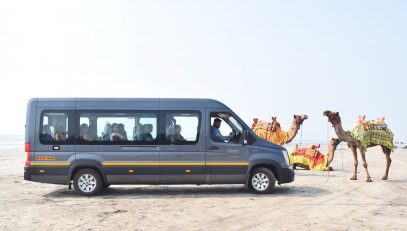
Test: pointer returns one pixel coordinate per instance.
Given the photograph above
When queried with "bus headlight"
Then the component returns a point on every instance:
(286, 157)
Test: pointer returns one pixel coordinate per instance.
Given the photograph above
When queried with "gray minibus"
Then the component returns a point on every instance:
(92, 143)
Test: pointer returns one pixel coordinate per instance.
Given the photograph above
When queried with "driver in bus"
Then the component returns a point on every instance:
(216, 135)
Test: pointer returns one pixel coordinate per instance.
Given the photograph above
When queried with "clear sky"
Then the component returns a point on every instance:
(261, 58)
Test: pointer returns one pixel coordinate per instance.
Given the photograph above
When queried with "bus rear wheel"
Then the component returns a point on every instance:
(88, 182)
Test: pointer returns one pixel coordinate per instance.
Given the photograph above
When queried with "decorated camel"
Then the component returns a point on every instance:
(272, 131)
(311, 158)
(364, 135)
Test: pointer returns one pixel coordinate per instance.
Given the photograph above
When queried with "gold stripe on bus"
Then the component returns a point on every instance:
(175, 164)
(130, 163)
(182, 163)
(50, 164)
(227, 163)
(148, 163)
(153, 163)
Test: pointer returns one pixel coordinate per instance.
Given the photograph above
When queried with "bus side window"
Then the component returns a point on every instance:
(54, 128)
(182, 127)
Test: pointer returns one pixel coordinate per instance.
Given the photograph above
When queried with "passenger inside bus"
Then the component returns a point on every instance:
(116, 135)
(178, 136)
(147, 129)
(60, 136)
(46, 134)
(122, 131)
(84, 132)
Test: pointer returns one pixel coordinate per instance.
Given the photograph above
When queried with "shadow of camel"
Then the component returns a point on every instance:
(154, 192)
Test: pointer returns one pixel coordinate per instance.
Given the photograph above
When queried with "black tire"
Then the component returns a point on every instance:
(261, 176)
(91, 187)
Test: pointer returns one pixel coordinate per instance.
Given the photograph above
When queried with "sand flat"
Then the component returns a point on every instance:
(314, 201)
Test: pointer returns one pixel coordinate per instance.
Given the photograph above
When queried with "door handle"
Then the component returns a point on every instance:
(56, 148)
(214, 148)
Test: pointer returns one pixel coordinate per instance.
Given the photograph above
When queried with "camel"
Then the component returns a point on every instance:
(335, 120)
(310, 158)
(272, 132)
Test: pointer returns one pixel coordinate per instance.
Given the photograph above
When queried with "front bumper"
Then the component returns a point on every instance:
(286, 175)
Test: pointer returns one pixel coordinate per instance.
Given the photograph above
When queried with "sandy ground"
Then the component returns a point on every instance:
(313, 201)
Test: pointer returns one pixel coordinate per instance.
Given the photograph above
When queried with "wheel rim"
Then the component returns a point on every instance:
(260, 181)
(87, 183)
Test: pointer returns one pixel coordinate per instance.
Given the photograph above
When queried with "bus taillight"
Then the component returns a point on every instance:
(27, 150)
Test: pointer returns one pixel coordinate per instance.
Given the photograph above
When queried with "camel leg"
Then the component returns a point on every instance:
(387, 152)
(362, 152)
(355, 162)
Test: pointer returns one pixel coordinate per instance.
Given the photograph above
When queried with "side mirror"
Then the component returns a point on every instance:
(245, 137)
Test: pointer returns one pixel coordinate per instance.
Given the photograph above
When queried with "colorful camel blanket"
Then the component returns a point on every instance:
(263, 130)
(311, 157)
(373, 133)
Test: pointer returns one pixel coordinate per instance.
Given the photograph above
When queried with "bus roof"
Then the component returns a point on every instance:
(127, 102)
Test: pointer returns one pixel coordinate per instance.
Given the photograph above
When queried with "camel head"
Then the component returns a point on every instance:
(333, 117)
(299, 119)
(331, 148)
